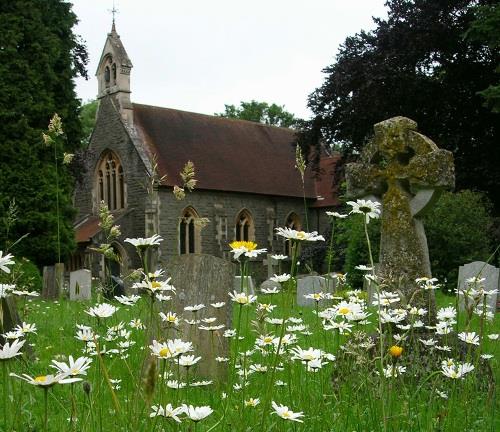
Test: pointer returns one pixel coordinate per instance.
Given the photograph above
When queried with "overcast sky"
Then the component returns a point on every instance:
(198, 55)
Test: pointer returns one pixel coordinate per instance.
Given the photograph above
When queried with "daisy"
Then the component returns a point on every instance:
(194, 308)
(279, 257)
(103, 310)
(242, 298)
(25, 328)
(392, 371)
(128, 300)
(144, 243)
(217, 305)
(457, 371)
(9, 351)
(336, 215)
(245, 248)
(5, 261)
(252, 402)
(42, 380)
(73, 367)
(188, 360)
(283, 412)
(493, 336)
(370, 209)
(305, 355)
(6, 290)
(197, 413)
(292, 234)
(281, 278)
(469, 338)
(273, 290)
(170, 318)
(168, 411)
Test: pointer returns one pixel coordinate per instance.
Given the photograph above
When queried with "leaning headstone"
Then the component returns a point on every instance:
(312, 285)
(369, 286)
(204, 279)
(406, 171)
(80, 285)
(481, 270)
(247, 287)
(9, 316)
(53, 281)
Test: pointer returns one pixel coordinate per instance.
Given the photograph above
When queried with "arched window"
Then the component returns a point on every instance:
(106, 76)
(113, 69)
(111, 186)
(189, 232)
(292, 222)
(244, 228)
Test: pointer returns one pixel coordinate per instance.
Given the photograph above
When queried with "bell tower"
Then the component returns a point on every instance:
(113, 75)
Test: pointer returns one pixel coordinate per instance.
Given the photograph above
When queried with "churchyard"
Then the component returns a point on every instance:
(192, 347)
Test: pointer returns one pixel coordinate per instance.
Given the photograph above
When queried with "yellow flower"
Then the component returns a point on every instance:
(248, 245)
(395, 351)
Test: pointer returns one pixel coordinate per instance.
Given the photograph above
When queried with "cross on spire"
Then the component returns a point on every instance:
(113, 12)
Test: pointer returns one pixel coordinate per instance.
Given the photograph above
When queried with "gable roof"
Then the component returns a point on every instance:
(229, 155)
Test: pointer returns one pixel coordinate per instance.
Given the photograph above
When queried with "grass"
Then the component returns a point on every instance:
(343, 395)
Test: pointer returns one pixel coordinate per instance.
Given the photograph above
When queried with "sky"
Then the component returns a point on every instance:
(198, 55)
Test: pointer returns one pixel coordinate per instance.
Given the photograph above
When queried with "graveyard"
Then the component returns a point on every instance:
(166, 269)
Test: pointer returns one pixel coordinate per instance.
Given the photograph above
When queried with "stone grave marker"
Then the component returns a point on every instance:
(80, 285)
(480, 269)
(203, 279)
(269, 284)
(53, 281)
(406, 171)
(248, 285)
(9, 317)
(312, 285)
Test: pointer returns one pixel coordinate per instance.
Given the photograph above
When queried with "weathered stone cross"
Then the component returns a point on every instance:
(407, 172)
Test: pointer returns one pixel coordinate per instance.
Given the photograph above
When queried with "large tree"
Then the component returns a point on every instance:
(260, 112)
(417, 63)
(39, 57)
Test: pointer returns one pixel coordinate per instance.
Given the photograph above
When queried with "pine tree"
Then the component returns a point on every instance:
(39, 57)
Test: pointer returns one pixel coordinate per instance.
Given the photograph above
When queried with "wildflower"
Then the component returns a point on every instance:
(273, 290)
(336, 215)
(283, 412)
(168, 411)
(266, 307)
(456, 371)
(197, 413)
(281, 278)
(446, 314)
(279, 257)
(14, 334)
(201, 383)
(67, 158)
(469, 338)
(128, 300)
(246, 248)
(392, 371)
(154, 286)
(5, 261)
(9, 351)
(493, 336)
(370, 209)
(363, 268)
(144, 243)
(170, 318)
(242, 298)
(174, 384)
(427, 283)
(217, 305)
(252, 402)
(292, 234)
(42, 380)
(103, 310)
(221, 359)
(212, 328)
(194, 308)
(305, 355)
(188, 360)
(395, 351)
(25, 328)
(428, 342)
(73, 367)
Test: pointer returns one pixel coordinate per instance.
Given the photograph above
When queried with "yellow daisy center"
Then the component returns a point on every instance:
(40, 379)
(301, 235)
(344, 310)
(155, 284)
(164, 352)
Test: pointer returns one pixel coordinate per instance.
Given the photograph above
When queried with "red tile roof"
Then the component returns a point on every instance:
(86, 229)
(229, 155)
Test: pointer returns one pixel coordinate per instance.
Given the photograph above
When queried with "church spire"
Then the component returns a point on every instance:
(113, 11)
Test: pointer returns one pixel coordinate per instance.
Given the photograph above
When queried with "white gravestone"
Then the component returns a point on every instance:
(313, 285)
(480, 270)
(80, 285)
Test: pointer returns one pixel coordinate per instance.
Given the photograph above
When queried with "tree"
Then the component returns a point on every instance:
(260, 112)
(87, 117)
(40, 56)
(486, 28)
(416, 63)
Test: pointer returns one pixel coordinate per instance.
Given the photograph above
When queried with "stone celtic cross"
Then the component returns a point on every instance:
(406, 171)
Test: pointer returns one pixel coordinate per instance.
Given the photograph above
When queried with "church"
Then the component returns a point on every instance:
(247, 183)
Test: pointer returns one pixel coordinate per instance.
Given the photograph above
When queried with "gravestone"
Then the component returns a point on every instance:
(203, 279)
(269, 284)
(53, 280)
(312, 285)
(406, 171)
(480, 270)
(80, 285)
(9, 316)
(248, 285)
(271, 265)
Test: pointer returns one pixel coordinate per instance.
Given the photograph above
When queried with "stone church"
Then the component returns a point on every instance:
(247, 181)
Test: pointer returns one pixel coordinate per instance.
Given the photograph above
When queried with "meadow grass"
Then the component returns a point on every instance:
(342, 395)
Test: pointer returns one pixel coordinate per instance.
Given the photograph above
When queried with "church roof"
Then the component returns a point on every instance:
(229, 155)
(118, 49)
